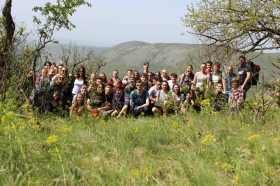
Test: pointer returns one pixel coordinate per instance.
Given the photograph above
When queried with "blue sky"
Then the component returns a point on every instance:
(110, 22)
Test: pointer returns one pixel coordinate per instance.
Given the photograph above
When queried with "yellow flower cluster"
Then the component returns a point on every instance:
(174, 125)
(253, 137)
(141, 173)
(208, 138)
(66, 129)
(52, 139)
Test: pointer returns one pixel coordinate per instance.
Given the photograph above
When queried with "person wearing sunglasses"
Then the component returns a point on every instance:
(139, 100)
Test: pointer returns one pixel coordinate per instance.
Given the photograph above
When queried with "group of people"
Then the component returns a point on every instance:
(139, 92)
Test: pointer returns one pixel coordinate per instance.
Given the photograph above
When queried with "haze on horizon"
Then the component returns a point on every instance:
(112, 22)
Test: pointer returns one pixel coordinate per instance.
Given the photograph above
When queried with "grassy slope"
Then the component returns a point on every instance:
(216, 149)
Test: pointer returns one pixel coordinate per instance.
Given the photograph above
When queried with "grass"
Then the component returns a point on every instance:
(216, 149)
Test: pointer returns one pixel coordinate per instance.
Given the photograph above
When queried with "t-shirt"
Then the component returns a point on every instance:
(242, 73)
(152, 92)
(162, 95)
(200, 77)
(119, 102)
(171, 84)
(137, 99)
(217, 76)
(229, 78)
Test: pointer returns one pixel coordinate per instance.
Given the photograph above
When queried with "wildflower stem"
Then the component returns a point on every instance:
(62, 167)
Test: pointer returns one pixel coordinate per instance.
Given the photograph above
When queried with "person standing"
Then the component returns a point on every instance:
(244, 75)
(229, 76)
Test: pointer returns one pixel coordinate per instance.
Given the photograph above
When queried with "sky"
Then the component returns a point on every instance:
(111, 22)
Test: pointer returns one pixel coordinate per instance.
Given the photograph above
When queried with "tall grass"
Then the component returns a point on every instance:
(202, 149)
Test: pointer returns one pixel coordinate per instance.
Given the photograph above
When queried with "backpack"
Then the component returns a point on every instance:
(255, 72)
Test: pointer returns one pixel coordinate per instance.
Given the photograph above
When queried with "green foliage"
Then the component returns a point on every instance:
(243, 26)
(219, 148)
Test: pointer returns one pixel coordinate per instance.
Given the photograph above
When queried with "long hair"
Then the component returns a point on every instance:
(84, 72)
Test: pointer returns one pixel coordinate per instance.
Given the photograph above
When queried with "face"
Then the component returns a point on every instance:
(92, 76)
(116, 84)
(196, 92)
(79, 98)
(234, 84)
(119, 92)
(129, 73)
(230, 70)
(173, 78)
(164, 73)
(44, 72)
(64, 71)
(107, 89)
(56, 70)
(99, 87)
(209, 66)
(47, 65)
(55, 96)
(176, 88)
(136, 74)
(203, 67)
(31, 73)
(83, 89)
(102, 76)
(131, 80)
(216, 68)
(149, 75)
(158, 85)
(90, 87)
(146, 67)
(51, 73)
(188, 96)
(241, 61)
(164, 86)
(157, 75)
(139, 86)
(115, 73)
(59, 69)
(60, 79)
(154, 82)
(98, 81)
(189, 69)
(143, 79)
(219, 87)
(81, 71)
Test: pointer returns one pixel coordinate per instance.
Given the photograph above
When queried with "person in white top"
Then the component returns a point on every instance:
(173, 80)
(79, 80)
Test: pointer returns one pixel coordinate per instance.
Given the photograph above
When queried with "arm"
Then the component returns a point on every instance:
(246, 80)
(194, 81)
(123, 109)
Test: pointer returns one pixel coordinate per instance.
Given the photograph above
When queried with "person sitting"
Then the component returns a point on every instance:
(139, 100)
(219, 102)
(53, 104)
(120, 102)
(78, 106)
(162, 96)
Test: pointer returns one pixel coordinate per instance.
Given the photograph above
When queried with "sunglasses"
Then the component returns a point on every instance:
(64, 70)
(139, 85)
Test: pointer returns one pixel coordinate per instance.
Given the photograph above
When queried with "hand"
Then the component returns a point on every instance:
(242, 86)
(224, 92)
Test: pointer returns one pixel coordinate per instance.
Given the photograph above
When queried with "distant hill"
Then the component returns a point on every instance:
(171, 56)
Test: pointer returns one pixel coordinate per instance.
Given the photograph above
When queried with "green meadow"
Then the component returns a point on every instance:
(186, 149)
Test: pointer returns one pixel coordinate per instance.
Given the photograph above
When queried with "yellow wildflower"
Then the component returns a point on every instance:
(174, 125)
(235, 180)
(136, 130)
(66, 129)
(134, 173)
(208, 138)
(10, 113)
(253, 137)
(52, 139)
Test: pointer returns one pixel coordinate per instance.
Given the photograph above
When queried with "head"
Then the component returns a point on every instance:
(229, 70)
(176, 89)
(164, 73)
(150, 82)
(146, 66)
(209, 65)
(242, 60)
(100, 87)
(188, 95)
(157, 74)
(93, 77)
(158, 84)
(44, 72)
(83, 89)
(197, 92)
(80, 99)
(189, 69)
(60, 67)
(116, 83)
(165, 86)
(51, 72)
(154, 81)
(55, 96)
(136, 74)
(144, 78)
(150, 75)
(219, 86)
(173, 77)
(203, 67)
(30, 73)
(53, 64)
(98, 81)
(129, 72)
(217, 66)
(47, 64)
(139, 85)
(64, 71)
(81, 72)
(115, 74)
(103, 77)
(107, 88)
(235, 83)
(119, 91)
(131, 79)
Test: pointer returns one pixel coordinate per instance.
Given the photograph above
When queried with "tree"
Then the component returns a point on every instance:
(241, 25)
